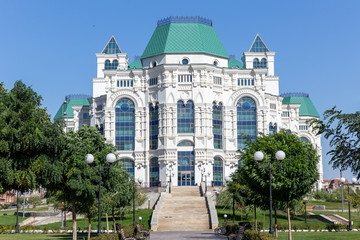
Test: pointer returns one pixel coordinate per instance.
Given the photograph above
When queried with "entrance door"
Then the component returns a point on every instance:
(185, 178)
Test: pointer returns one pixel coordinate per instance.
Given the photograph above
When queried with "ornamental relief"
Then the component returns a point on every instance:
(246, 92)
(126, 93)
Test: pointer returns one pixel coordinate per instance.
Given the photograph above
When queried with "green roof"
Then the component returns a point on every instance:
(306, 108)
(135, 64)
(184, 38)
(67, 107)
(233, 63)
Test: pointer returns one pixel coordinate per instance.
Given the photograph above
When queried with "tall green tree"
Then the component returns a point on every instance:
(72, 180)
(27, 138)
(343, 131)
(118, 193)
(292, 180)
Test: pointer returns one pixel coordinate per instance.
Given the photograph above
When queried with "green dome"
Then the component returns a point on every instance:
(184, 35)
(306, 108)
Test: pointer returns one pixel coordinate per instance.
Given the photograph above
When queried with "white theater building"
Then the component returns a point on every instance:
(179, 112)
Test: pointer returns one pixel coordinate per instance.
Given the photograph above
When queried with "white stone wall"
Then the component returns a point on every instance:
(203, 92)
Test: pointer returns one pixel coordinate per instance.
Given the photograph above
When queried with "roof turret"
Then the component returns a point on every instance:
(184, 35)
(306, 108)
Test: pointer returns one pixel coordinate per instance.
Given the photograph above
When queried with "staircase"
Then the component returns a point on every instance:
(184, 210)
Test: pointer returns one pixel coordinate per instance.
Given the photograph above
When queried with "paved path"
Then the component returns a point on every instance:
(184, 235)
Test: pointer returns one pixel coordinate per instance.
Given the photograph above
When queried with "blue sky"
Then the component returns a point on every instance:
(51, 45)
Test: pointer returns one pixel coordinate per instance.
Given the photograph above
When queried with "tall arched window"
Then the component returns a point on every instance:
(256, 63)
(115, 64)
(154, 126)
(246, 120)
(185, 117)
(263, 63)
(107, 64)
(154, 172)
(125, 124)
(128, 165)
(218, 172)
(217, 125)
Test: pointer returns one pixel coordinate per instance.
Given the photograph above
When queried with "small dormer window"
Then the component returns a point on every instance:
(215, 63)
(153, 64)
(185, 61)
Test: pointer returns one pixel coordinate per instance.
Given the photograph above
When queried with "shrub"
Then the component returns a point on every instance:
(46, 229)
(4, 228)
(231, 228)
(111, 236)
(336, 227)
(35, 200)
(254, 235)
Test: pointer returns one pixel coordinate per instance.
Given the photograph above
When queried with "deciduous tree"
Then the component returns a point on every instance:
(290, 181)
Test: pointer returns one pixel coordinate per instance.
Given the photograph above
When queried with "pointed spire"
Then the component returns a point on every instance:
(111, 47)
(258, 45)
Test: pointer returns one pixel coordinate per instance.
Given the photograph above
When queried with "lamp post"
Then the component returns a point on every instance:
(140, 180)
(259, 156)
(170, 175)
(353, 181)
(140, 218)
(110, 158)
(17, 212)
(227, 179)
(225, 216)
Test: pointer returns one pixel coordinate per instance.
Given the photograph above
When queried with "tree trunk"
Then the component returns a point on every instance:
(113, 218)
(255, 217)
(264, 222)
(73, 212)
(89, 231)
(289, 223)
(107, 223)
(276, 226)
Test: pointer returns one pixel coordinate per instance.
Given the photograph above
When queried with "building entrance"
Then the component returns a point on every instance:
(186, 174)
(186, 178)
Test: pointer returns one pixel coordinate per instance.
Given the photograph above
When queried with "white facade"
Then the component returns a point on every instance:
(264, 90)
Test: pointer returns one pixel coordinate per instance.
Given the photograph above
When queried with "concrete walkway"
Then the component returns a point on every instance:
(184, 235)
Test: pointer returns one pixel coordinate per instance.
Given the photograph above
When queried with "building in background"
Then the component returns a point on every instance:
(181, 110)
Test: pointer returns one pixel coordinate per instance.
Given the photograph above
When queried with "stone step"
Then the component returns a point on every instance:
(184, 210)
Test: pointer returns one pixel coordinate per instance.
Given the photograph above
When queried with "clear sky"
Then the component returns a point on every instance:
(51, 45)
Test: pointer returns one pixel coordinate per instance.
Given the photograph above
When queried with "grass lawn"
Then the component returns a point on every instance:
(55, 236)
(345, 214)
(328, 205)
(10, 218)
(127, 220)
(321, 235)
(282, 218)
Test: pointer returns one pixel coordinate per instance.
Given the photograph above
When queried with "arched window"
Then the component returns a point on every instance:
(304, 139)
(218, 172)
(263, 63)
(185, 117)
(115, 64)
(154, 172)
(128, 165)
(256, 63)
(107, 64)
(154, 126)
(246, 120)
(272, 128)
(185, 143)
(125, 124)
(217, 125)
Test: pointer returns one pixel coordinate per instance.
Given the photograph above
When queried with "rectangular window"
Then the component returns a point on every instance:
(153, 81)
(285, 114)
(185, 78)
(303, 127)
(86, 116)
(246, 82)
(217, 80)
